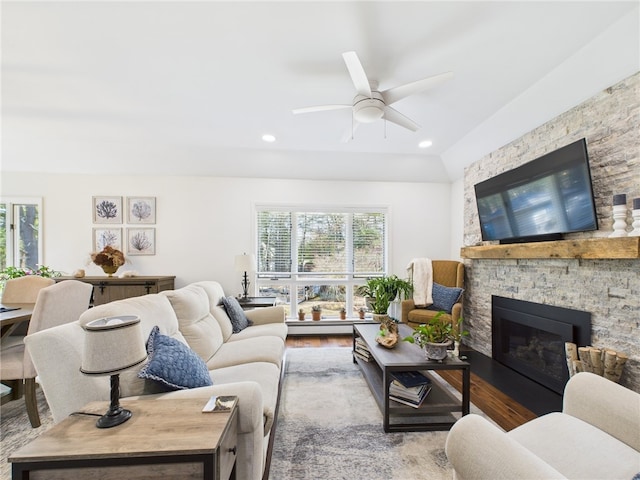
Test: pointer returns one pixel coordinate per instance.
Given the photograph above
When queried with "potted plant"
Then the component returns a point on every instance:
(361, 313)
(316, 312)
(301, 314)
(381, 291)
(435, 336)
(343, 313)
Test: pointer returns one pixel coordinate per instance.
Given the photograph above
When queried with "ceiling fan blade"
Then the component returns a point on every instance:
(394, 116)
(394, 94)
(358, 75)
(319, 108)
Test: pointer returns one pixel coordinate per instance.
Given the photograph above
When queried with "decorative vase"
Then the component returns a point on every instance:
(315, 315)
(109, 269)
(436, 351)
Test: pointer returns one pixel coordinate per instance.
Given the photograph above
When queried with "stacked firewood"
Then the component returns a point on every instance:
(601, 361)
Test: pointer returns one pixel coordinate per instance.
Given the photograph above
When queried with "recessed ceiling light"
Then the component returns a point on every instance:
(425, 144)
(268, 138)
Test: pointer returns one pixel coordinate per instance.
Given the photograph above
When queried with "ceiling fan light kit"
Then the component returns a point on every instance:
(369, 104)
(368, 110)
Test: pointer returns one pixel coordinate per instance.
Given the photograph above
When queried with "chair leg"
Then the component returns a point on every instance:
(31, 401)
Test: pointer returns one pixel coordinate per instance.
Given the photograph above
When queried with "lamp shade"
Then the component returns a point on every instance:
(245, 263)
(112, 344)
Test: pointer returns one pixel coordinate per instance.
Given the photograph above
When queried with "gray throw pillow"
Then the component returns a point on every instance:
(173, 364)
(444, 298)
(239, 320)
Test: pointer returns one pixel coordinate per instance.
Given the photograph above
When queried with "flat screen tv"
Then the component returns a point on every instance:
(540, 200)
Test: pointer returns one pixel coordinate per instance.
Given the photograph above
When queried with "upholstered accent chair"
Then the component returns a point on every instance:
(55, 305)
(24, 289)
(448, 274)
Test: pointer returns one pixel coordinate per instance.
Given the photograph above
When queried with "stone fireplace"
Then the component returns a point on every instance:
(607, 287)
(529, 338)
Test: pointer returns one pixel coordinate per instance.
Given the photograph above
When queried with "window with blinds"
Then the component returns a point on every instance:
(306, 256)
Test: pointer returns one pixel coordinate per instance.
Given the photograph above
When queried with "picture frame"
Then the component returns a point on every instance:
(107, 210)
(107, 236)
(141, 210)
(141, 241)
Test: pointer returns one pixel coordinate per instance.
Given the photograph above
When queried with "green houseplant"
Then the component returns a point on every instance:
(381, 291)
(316, 312)
(436, 336)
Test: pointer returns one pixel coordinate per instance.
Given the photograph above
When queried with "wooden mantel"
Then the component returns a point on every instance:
(589, 248)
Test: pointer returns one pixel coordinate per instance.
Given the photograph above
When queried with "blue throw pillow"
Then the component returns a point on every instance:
(173, 364)
(444, 298)
(239, 320)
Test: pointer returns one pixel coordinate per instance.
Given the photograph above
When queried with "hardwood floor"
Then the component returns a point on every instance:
(502, 409)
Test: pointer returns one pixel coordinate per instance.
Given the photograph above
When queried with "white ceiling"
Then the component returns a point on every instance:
(188, 88)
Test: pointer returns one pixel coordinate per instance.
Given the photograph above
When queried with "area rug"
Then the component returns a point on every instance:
(330, 427)
(16, 430)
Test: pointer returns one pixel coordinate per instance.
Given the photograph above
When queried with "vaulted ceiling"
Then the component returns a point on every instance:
(189, 88)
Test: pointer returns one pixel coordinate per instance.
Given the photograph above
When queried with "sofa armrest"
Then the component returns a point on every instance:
(478, 450)
(605, 405)
(262, 316)
(250, 408)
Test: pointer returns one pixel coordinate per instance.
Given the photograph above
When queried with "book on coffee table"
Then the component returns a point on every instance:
(411, 378)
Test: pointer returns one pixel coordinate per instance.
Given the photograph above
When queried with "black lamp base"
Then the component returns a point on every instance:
(113, 419)
(116, 414)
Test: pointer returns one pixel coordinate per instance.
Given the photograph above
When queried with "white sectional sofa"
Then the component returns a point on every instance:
(247, 364)
(596, 436)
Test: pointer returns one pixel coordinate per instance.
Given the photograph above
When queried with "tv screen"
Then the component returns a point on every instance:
(539, 200)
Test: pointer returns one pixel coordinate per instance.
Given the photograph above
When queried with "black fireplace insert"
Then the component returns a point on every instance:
(530, 338)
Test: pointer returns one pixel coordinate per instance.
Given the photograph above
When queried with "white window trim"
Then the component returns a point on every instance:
(11, 202)
(295, 279)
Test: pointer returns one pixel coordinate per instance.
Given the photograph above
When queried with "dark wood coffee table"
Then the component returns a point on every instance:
(438, 409)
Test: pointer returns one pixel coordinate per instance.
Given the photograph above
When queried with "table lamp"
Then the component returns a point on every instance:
(245, 263)
(112, 345)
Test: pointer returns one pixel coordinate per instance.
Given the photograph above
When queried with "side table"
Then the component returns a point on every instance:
(256, 302)
(163, 439)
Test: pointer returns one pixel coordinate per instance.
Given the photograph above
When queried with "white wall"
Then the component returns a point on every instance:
(456, 202)
(203, 222)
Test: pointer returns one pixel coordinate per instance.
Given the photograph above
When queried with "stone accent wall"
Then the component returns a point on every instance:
(609, 289)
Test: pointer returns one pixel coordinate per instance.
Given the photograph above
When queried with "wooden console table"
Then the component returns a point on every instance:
(163, 439)
(107, 289)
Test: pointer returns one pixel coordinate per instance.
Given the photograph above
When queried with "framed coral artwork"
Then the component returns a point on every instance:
(107, 209)
(141, 241)
(141, 210)
(107, 236)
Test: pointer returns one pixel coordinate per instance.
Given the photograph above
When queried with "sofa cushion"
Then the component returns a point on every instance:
(215, 293)
(173, 363)
(201, 331)
(577, 449)
(444, 298)
(239, 320)
(249, 350)
(267, 330)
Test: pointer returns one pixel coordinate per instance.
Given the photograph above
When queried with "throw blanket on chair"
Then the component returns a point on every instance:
(421, 273)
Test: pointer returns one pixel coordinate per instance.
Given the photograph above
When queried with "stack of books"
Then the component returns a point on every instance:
(362, 351)
(409, 388)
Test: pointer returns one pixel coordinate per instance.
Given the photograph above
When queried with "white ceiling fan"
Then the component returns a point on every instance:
(369, 104)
